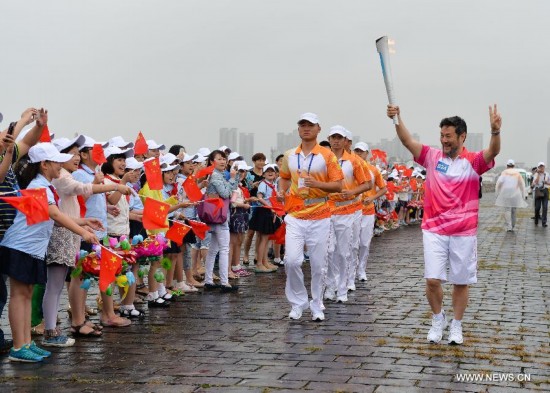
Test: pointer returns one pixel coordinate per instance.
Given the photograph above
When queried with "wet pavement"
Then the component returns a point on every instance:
(213, 342)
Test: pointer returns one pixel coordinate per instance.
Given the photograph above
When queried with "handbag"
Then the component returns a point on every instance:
(539, 193)
(210, 213)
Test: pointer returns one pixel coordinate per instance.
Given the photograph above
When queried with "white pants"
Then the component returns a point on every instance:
(218, 242)
(355, 232)
(365, 237)
(339, 259)
(510, 217)
(314, 235)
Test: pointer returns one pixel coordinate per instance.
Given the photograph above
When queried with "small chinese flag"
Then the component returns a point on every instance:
(177, 232)
(379, 154)
(140, 147)
(33, 204)
(200, 228)
(407, 172)
(414, 185)
(153, 173)
(279, 236)
(97, 154)
(110, 264)
(45, 136)
(277, 207)
(218, 202)
(192, 190)
(154, 214)
(205, 171)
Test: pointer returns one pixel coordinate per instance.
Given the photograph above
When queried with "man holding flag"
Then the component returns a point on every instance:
(450, 219)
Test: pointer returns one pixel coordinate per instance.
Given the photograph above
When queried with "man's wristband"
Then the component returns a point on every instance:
(495, 132)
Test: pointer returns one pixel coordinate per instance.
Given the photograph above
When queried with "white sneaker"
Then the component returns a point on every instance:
(438, 325)
(351, 287)
(295, 313)
(330, 294)
(318, 316)
(362, 278)
(342, 299)
(455, 334)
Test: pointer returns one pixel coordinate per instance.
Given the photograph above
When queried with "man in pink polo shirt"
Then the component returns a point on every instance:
(451, 205)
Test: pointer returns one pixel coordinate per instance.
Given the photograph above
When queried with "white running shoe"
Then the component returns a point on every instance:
(342, 299)
(362, 278)
(330, 294)
(438, 325)
(295, 313)
(455, 334)
(318, 316)
(351, 287)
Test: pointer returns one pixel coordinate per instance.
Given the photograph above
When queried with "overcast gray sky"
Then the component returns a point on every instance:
(179, 70)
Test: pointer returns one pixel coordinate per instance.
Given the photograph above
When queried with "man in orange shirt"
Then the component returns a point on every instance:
(368, 211)
(344, 206)
(308, 174)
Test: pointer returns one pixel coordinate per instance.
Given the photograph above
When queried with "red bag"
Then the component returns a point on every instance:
(210, 213)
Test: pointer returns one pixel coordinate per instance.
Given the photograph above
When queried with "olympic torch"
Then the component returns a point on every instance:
(383, 50)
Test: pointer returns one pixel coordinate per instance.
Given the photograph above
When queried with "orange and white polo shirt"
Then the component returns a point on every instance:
(321, 164)
(379, 183)
(354, 176)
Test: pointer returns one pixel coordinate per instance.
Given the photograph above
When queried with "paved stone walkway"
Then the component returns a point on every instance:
(212, 342)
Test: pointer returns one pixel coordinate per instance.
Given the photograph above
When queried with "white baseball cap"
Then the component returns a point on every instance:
(152, 145)
(309, 116)
(337, 130)
(90, 142)
(199, 158)
(349, 134)
(63, 143)
(204, 151)
(113, 150)
(166, 168)
(540, 164)
(47, 152)
(233, 155)
(132, 163)
(269, 166)
(119, 142)
(361, 146)
(223, 148)
(510, 162)
(187, 157)
(242, 166)
(168, 159)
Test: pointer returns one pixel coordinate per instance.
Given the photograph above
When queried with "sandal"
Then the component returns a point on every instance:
(133, 313)
(38, 330)
(110, 323)
(77, 332)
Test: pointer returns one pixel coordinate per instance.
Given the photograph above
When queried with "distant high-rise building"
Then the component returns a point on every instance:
(474, 141)
(246, 146)
(228, 137)
(285, 142)
(394, 149)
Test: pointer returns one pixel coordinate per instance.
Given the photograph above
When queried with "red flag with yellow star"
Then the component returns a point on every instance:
(200, 228)
(192, 190)
(153, 173)
(177, 232)
(33, 204)
(110, 264)
(205, 171)
(140, 147)
(154, 214)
